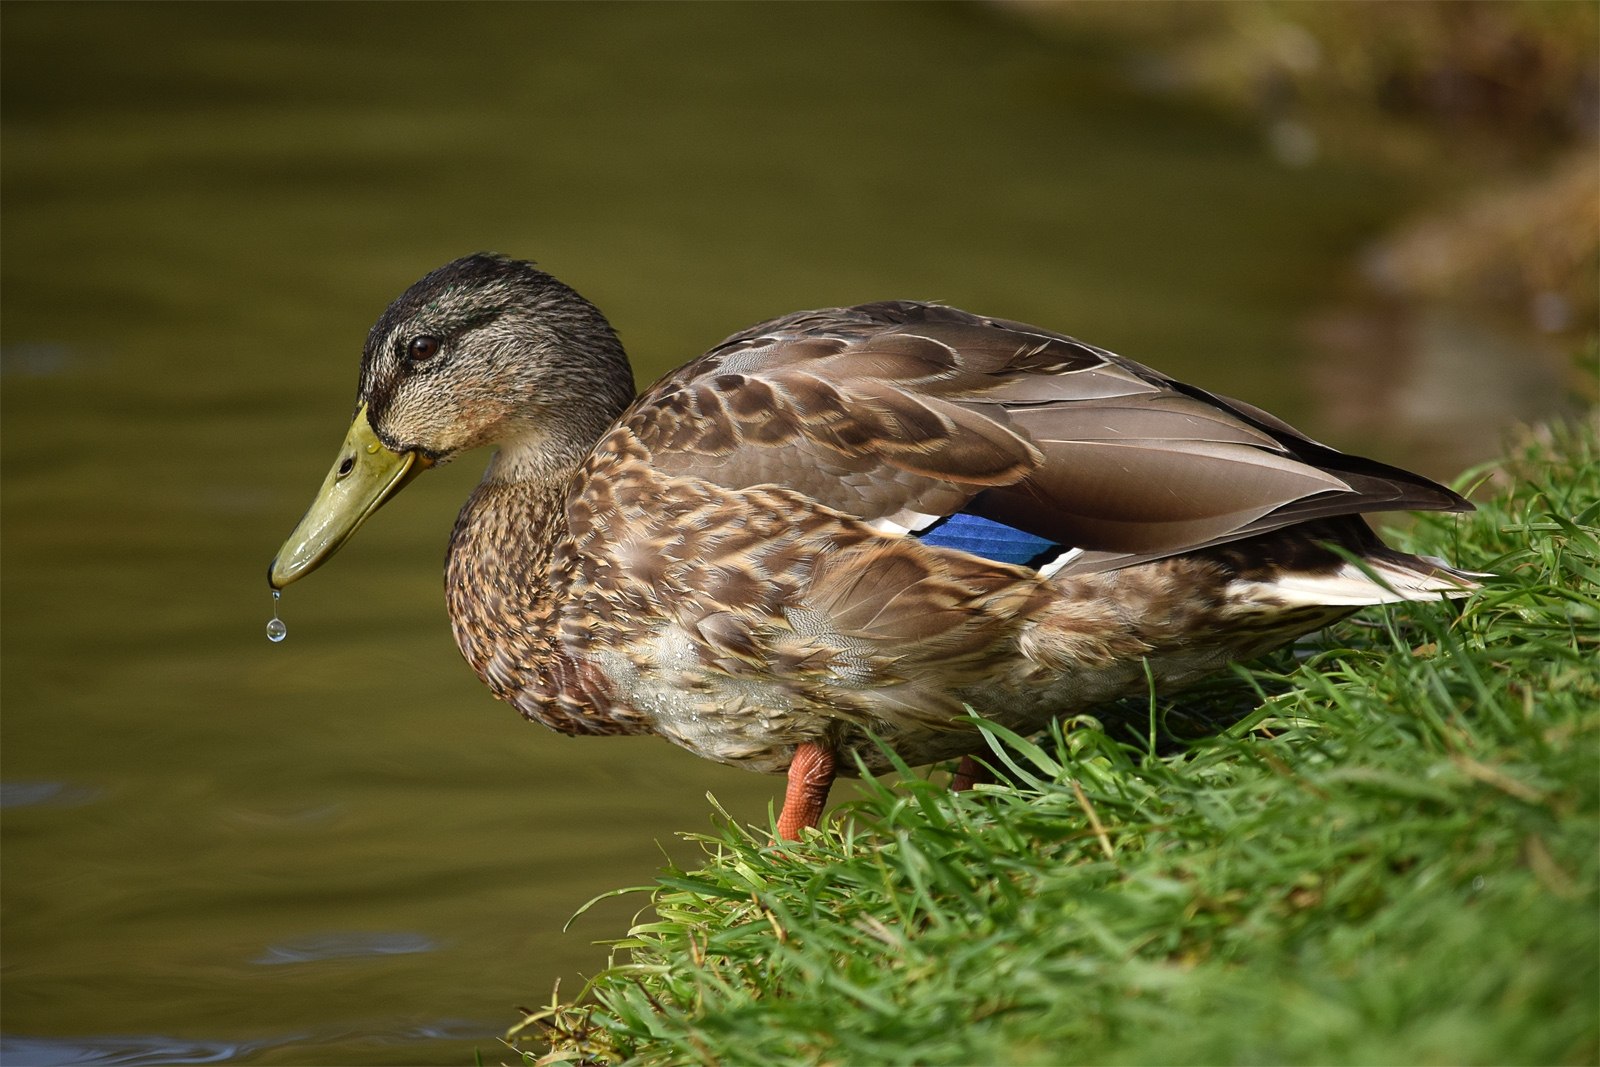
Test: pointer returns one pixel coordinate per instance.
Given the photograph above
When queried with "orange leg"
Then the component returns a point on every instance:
(968, 774)
(810, 777)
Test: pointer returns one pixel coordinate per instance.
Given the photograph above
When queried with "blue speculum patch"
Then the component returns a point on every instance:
(991, 540)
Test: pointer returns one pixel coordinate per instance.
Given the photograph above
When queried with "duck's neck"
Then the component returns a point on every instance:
(497, 574)
(504, 586)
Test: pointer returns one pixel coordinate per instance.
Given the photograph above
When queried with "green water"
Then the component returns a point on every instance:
(340, 849)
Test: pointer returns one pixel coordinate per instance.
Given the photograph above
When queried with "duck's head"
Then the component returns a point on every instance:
(483, 351)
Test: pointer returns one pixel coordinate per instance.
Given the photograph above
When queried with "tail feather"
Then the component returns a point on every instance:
(1385, 577)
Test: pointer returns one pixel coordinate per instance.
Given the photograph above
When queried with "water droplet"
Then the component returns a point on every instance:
(372, 449)
(276, 630)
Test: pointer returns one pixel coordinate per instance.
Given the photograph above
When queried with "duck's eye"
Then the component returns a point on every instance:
(421, 349)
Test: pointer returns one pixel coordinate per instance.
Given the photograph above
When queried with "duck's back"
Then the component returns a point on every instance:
(901, 412)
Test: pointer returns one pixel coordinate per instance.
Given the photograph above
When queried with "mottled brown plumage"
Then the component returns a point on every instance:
(744, 559)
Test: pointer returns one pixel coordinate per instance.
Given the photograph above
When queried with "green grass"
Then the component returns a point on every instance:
(1390, 856)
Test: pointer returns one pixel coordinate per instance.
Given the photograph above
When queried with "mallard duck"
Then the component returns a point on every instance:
(845, 525)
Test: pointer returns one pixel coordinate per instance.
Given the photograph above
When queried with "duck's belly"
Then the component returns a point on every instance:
(754, 713)
(756, 722)
(746, 721)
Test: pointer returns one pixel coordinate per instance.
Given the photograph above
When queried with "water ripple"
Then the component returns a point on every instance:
(33, 794)
(149, 1050)
(346, 946)
(131, 1050)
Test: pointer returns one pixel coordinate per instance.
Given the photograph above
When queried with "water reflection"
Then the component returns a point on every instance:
(206, 206)
(345, 946)
(121, 1051)
(53, 794)
(149, 1050)
(43, 360)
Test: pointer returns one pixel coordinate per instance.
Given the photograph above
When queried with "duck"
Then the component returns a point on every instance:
(845, 533)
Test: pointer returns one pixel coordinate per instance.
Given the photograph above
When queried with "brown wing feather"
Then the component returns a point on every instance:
(895, 409)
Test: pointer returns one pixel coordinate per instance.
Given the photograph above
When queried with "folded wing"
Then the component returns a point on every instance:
(901, 414)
